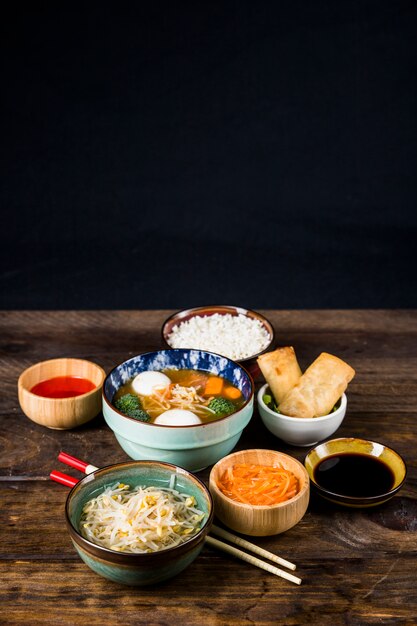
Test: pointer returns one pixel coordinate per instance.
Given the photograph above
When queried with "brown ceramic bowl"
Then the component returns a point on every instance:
(127, 567)
(179, 317)
(61, 413)
(260, 520)
(330, 451)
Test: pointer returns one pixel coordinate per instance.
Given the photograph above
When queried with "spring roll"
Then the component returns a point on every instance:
(319, 388)
(281, 371)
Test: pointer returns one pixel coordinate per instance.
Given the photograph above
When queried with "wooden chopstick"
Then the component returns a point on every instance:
(244, 556)
(224, 534)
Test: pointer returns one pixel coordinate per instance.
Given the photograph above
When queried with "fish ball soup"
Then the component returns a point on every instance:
(175, 397)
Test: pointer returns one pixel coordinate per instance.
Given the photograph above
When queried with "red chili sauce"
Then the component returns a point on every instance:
(63, 387)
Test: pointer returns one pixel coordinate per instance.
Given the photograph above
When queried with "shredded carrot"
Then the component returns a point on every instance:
(232, 392)
(259, 485)
(214, 386)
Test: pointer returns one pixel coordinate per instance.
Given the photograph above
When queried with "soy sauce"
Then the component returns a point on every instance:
(355, 475)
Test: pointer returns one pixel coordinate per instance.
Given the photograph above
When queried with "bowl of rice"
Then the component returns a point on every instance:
(234, 332)
(140, 522)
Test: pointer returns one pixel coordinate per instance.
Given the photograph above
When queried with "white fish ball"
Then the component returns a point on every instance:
(145, 383)
(177, 417)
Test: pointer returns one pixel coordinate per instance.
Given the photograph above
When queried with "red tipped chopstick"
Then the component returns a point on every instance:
(71, 461)
(78, 464)
(63, 479)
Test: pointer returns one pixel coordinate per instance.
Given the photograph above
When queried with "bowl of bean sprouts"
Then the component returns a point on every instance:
(140, 522)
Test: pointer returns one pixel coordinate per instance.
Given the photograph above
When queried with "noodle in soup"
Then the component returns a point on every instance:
(178, 396)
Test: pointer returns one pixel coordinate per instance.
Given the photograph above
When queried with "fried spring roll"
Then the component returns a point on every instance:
(281, 371)
(319, 388)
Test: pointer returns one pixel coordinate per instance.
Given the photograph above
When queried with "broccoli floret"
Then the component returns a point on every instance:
(141, 415)
(131, 406)
(221, 406)
(128, 403)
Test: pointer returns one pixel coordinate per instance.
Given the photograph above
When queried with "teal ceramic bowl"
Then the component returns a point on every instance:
(193, 447)
(131, 568)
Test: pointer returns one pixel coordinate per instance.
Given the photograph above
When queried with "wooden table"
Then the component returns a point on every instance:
(358, 567)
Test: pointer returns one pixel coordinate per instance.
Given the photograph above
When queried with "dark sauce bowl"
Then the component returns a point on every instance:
(382, 460)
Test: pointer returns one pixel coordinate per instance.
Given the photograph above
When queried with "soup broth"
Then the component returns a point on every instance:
(189, 390)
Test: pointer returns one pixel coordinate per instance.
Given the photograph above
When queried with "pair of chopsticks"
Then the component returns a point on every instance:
(87, 468)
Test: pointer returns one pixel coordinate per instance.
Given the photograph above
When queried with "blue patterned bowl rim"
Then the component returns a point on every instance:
(162, 359)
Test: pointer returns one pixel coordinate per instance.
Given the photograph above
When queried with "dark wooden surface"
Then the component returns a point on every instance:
(358, 567)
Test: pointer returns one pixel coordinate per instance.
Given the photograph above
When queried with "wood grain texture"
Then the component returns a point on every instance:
(358, 567)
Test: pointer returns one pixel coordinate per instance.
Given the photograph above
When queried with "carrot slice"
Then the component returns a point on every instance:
(232, 392)
(214, 386)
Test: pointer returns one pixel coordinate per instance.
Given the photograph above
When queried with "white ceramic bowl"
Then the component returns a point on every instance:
(300, 431)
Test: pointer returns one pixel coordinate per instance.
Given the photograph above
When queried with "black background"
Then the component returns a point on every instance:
(183, 153)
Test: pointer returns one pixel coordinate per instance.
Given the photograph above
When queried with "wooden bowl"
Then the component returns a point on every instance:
(61, 413)
(260, 520)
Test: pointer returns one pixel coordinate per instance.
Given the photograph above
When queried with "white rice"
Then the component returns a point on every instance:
(236, 337)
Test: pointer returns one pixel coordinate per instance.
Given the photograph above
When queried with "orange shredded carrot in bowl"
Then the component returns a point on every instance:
(258, 485)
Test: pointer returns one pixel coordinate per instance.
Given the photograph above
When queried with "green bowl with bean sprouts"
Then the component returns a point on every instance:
(140, 522)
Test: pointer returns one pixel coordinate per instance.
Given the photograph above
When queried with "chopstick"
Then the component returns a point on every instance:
(244, 556)
(63, 479)
(87, 468)
(224, 534)
(78, 464)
